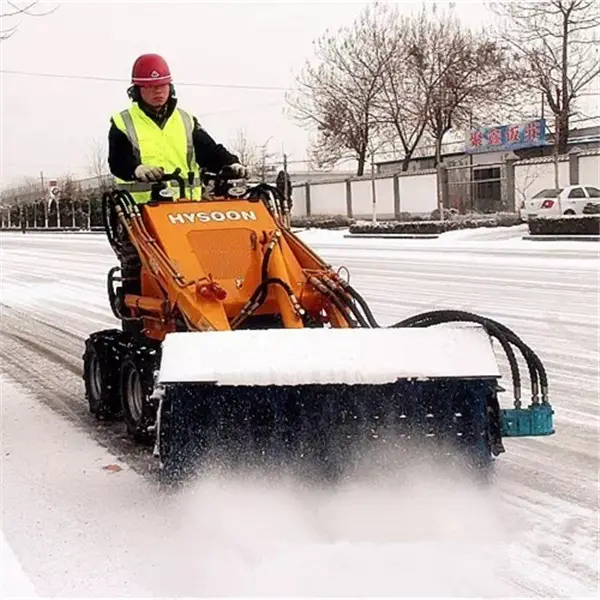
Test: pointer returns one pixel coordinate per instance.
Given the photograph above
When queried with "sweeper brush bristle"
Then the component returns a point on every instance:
(322, 429)
(313, 418)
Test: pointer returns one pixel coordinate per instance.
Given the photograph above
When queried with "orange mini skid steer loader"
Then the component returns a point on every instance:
(240, 344)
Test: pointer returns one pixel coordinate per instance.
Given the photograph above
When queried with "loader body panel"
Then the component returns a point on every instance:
(226, 242)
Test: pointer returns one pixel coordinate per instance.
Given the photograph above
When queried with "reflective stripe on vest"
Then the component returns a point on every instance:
(162, 147)
(189, 128)
(131, 134)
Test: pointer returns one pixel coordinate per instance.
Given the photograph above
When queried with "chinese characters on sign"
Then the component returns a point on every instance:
(495, 137)
(513, 134)
(476, 139)
(507, 137)
(532, 131)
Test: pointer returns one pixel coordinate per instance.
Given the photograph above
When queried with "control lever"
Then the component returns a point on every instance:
(191, 183)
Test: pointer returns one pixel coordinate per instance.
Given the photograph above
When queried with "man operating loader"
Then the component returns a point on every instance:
(151, 138)
(154, 136)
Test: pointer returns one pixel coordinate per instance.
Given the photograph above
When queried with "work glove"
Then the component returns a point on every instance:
(239, 170)
(149, 173)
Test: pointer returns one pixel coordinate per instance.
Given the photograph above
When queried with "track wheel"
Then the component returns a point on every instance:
(101, 374)
(139, 412)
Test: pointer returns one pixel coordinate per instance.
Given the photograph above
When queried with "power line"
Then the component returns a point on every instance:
(232, 86)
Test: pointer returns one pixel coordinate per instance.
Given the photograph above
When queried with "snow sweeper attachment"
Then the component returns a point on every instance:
(240, 346)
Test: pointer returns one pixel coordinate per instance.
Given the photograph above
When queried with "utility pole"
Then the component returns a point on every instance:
(556, 137)
(471, 182)
(285, 173)
(44, 204)
(373, 191)
(45, 200)
(286, 191)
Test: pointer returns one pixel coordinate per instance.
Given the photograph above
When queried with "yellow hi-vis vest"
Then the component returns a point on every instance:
(170, 148)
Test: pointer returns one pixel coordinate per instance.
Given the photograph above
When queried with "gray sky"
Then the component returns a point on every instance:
(52, 124)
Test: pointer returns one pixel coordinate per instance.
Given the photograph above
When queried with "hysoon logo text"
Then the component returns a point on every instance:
(206, 217)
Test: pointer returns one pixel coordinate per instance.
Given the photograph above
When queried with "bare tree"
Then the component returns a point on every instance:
(337, 93)
(15, 10)
(554, 40)
(439, 77)
(265, 165)
(243, 148)
(411, 75)
(98, 163)
(464, 73)
(91, 199)
(256, 157)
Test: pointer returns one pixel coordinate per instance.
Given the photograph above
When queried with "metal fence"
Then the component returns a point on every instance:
(480, 188)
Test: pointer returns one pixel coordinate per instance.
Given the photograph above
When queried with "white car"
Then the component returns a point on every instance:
(564, 201)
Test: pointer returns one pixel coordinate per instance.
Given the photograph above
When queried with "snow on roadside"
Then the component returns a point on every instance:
(75, 526)
(478, 238)
(14, 583)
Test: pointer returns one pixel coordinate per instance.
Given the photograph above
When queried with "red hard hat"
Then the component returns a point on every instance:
(150, 69)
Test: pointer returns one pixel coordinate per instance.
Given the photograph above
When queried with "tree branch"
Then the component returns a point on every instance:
(6, 33)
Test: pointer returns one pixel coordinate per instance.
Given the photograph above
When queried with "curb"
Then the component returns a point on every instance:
(396, 236)
(562, 238)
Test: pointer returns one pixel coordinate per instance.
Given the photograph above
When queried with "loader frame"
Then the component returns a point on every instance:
(171, 286)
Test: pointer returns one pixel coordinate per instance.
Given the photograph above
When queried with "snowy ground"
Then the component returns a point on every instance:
(72, 527)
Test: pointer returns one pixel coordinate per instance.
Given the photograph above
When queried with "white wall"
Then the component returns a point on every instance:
(328, 198)
(418, 190)
(534, 175)
(489, 158)
(418, 194)
(362, 198)
(298, 201)
(589, 170)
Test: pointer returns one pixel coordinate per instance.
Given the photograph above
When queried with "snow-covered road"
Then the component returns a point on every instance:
(79, 529)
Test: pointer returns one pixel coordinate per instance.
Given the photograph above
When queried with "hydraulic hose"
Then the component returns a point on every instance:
(363, 304)
(534, 364)
(260, 293)
(340, 304)
(109, 201)
(452, 315)
(503, 334)
(337, 292)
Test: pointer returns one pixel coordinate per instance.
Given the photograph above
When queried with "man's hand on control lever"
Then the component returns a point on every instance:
(238, 170)
(149, 173)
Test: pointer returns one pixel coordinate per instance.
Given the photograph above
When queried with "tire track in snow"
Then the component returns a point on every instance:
(556, 311)
(549, 485)
(48, 362)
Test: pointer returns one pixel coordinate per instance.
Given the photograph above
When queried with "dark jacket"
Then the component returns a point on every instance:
(122, 161)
